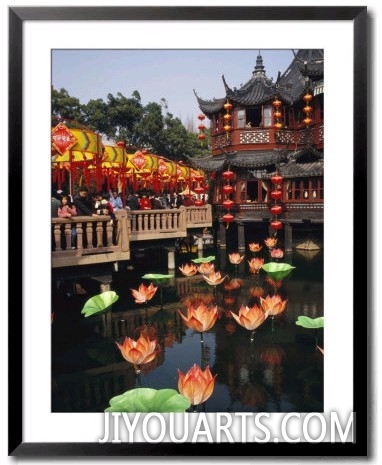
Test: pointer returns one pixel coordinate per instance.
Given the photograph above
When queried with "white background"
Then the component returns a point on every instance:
(373, 9)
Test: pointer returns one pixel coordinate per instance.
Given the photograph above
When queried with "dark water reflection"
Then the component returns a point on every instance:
(280, 370)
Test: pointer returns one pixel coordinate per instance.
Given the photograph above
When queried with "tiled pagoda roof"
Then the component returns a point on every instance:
(289, 86)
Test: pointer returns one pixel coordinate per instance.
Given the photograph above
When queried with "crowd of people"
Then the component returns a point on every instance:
(85, 203)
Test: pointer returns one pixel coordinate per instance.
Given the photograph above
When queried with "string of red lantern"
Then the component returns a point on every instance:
(307, 109)
(276, 195)
(227, 202)
(277, 114)
(199, 190)
(227, 118)
(201, 127)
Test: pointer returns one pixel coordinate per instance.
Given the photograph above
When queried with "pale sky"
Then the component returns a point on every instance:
(156, 74)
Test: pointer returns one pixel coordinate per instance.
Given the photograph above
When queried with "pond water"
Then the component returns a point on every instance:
(279, 369)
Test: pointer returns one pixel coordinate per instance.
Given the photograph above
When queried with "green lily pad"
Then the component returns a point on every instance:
(277, 271)
(149, 400)
(158, 278)
(99, 303)
(211, 258)
(311, 323)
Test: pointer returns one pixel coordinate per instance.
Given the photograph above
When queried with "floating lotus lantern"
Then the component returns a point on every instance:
(200, 318)
(273, 305)
(255, 247)
(255, 264)
(144, 293)
(250, 317)
(138, 352)
(196, 385)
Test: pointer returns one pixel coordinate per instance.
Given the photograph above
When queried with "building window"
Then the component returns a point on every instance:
(306, 190)
(267, 120)
(256, 191)
(241, 118)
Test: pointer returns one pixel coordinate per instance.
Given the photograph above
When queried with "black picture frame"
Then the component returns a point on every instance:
(359, 16)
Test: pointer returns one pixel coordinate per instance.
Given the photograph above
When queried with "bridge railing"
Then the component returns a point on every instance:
(157, 224)
(98, 241)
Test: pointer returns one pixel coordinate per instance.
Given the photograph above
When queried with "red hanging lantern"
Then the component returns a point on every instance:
(199, 190)
(227, 175)
(307, 121)
(276, 210)
(228, 218)
(227, 204)
(276, 195)
(307, 109)
(276, 179)
(276, 224)
(201, 127)
(307, 97)
(201, 136)
(228, 106)
(227, 189)
(276, 103)
(201, 116)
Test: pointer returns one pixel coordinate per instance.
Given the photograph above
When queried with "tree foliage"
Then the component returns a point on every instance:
(121, 118)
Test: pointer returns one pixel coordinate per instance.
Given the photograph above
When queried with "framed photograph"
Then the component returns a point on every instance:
(342, 429)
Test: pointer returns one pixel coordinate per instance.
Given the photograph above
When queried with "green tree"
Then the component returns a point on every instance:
(124, 114)
(126, 119)
(65, 107)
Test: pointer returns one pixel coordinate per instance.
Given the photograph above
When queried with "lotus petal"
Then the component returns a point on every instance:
(99, 303)
(149, 400)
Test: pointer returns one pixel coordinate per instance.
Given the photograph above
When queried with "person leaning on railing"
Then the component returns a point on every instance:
(83, 202)
(67, 210)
